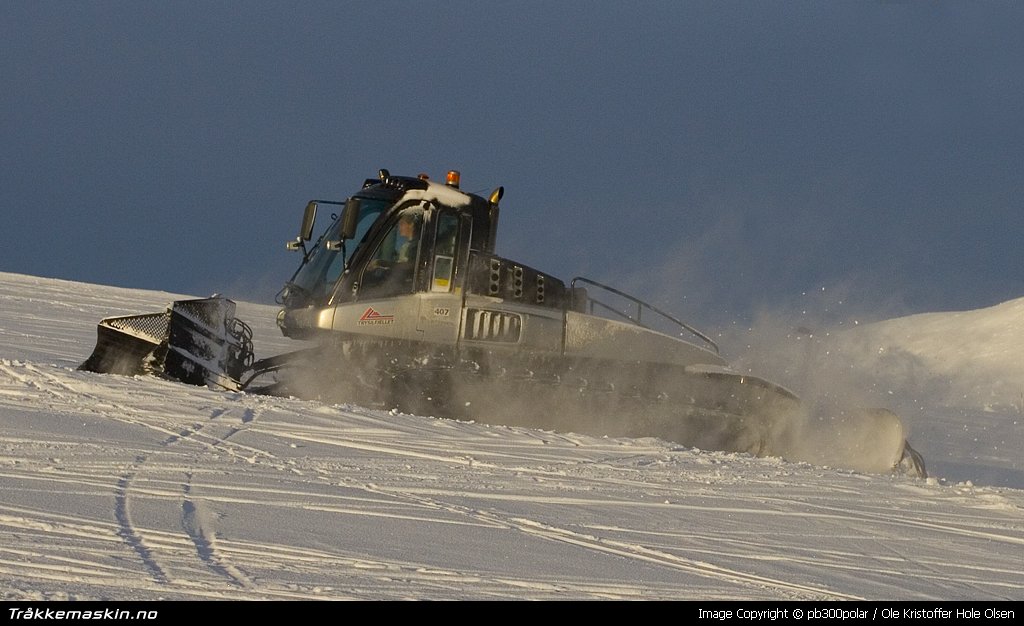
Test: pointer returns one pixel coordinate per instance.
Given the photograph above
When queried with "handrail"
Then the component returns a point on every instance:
(640, 306)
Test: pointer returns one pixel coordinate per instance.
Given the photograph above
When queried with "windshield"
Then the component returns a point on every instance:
(315, 279)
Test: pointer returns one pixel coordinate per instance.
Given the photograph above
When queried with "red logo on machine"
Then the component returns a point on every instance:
(372, 316)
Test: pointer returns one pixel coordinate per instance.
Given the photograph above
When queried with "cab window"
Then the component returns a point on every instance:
(392, 267)
(445, 243)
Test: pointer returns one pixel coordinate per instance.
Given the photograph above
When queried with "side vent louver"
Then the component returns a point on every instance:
(484, 325)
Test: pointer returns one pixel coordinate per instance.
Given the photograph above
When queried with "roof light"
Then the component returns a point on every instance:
(423, 177)
(453, 178)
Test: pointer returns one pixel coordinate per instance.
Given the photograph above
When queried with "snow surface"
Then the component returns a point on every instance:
(123, 488)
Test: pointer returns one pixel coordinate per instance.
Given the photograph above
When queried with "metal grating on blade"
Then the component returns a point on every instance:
(151, 326)
(210, 312)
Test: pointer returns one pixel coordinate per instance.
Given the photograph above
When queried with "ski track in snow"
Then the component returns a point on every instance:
(138, 488)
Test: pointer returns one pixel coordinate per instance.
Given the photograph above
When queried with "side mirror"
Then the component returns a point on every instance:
(350, 218)
(308, 218)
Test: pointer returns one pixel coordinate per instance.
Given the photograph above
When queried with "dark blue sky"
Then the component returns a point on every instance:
(717, 157)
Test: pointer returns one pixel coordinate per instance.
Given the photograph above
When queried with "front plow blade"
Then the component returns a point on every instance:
(195, 341)
(127, 345)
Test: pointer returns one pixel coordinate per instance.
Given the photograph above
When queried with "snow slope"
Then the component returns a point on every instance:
(138, 488)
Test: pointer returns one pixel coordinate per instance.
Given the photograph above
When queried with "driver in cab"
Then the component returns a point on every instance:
(391, 269)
